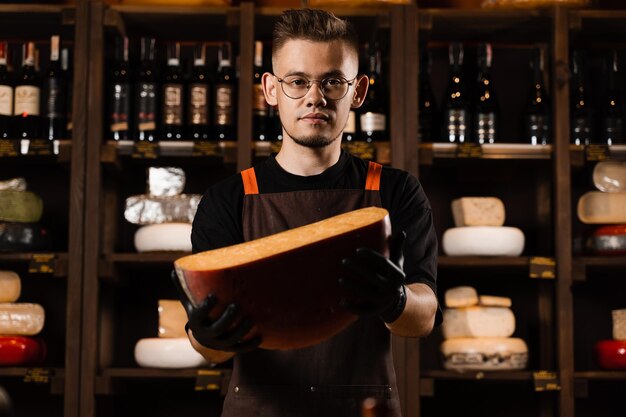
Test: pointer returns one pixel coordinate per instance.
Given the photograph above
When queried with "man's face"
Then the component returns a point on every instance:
(313, 120)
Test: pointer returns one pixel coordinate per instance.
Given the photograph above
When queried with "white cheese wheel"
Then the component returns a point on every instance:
(10, 287)
(172, 319)
(478, 322)
(21, 319)
(461, 297)
(610, 176)
(483, 241)
(478, 211)
(488, 354)
(619, 324)
(596, 207)
(164, 237)
(167, 353)
(493, 301)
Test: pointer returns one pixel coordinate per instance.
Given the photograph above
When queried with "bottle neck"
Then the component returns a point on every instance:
(258, 54)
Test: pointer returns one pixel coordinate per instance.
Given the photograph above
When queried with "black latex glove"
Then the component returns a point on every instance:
(217, 334)
(377, 282)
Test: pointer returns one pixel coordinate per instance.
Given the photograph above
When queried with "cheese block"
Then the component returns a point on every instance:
(478, 211)
(20, 206)
(619, 324)
(493, 301)
(259, 277)
(165, 181)
(610, 176)
(164, 237)
(461, 297)
(10, 286)
(167, 353)
(487, 354)
(483, 241)
(15, 184)
(23, 237)
(611, 354)
(145, 210)
(172, 319)
(596, 207)
(608, 240)
(19, 351)
(21, 319)
(478, 322)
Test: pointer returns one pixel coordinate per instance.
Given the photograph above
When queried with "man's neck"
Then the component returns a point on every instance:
(304, 161)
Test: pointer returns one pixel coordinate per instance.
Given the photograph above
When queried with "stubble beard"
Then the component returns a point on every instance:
(313, 141)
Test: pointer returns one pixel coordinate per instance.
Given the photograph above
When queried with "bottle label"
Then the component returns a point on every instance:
(223, 105)
(350, 128)
(6, 100)
(147, 107)
(53, 102)
(173, 104)
(457, 125)
(27, 100)
(538, 129)
(260, 106)
(373, 122)
(486, 128)
(199, 106)
(120, 107)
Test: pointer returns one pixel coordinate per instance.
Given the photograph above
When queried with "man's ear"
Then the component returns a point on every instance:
(360, 91)
(270, 89)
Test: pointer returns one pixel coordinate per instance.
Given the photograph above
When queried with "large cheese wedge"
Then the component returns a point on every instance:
(608, 240)
(489, 354)
(259, 276)
(18, 351)
(164, 237)
(611, 354)
(596, 207)
(145, 209)
(461, 297)
(478, 322)
(20, 206)
(23, 237)
(610, 176)
(167, 353)
(619, 324)
(15, 184)
(172, 319)
(21, 319)
(165, 181)
(478, 211)
(10, 286)
(493, 301)
(483, 241)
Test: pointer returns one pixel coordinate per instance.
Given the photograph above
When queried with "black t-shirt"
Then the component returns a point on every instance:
(218, 221)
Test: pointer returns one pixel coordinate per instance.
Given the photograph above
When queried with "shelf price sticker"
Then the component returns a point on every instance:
(38, 375)
(145, 150)
(9, 147)
(208, 380)
(469, 150)
(39, 147)
(546, 381)
(542, 268)
(597, 152)
(363, 150)
(206, 148)
(42, 263)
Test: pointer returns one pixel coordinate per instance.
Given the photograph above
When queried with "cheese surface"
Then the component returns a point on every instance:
(19, 350)
(165, 181)
(10, 287)
(145, 210)
(610, 176)
(608, 240)
(486, 354)
(164, 237)
(596, 207)
(478, 322)
(619, 324)
(478, 211)
(167, 353)
(483, 241)
(15, 184)
(22, 319)
(461, 297)
(20, 206)
(172, 319)
(493, 301)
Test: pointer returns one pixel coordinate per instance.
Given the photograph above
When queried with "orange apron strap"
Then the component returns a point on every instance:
(372, 183)
(249, 182)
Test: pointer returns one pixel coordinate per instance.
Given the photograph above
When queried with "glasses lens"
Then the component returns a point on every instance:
(334, 88)
(297, 87)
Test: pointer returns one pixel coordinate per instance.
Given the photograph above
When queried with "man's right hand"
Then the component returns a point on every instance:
(218, 334)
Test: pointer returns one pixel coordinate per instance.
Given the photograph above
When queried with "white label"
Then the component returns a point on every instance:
(27, 100)
(373, 122)
(351, 123)
(6, 100)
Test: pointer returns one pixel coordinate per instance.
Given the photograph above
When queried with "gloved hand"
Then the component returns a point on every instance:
(218, 334)
(377, 282)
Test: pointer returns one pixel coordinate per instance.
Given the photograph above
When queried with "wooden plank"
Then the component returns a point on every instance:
(396, 101)
(246, 65)
(479, 375)
(411, 90)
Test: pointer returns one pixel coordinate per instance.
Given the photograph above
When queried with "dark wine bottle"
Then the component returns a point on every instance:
(372, 114)
(224, 117)
(612, 119)
(350, 131)
(456, 104)
(537, 118)
(173, 91)
(6, 94)
(146, 93)
(28, 97)
(276, 127)
(67, 70)
(580, 112)
(428, 112)
(120, 94)
(54, 122)
(199, 93)
(260, 107)
(486, 115)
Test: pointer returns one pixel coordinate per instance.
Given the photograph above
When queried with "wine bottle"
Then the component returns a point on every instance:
(27, 96)
(260, 107)
(456, 104)
(120, 95)
(373, 117)
(224, 117)
(486, 107)
(146, 93)
(276, 127)
(65, 60)
(173, 90)
(199, 93)
(350, 132)
(428, 112)
(54, 123)
(612, 119)
(580, 111)
(537, 118)
(6, 94)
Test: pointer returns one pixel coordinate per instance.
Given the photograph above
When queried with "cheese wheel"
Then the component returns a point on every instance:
(18, 351)
(493, 301)
(478, 322)
(23, 319)
(619, 324)
(10, 287)
(596, 207)
(488, 354)
(483, 241)
(22, 237)
(15, 184)
(20, 206)
(610, 176)
(611, 354)
(259, 277)
(461, 297)
(478, 211)
(167, 353)
(164, 237)
(608, 240)
(172, 319)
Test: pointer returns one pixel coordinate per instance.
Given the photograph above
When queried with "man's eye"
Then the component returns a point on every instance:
(298, 82)
(333, 82)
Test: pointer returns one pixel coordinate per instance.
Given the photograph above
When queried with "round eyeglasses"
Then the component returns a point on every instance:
(297, 86)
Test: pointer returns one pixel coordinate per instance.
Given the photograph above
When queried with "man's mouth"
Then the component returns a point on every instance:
(315, 118)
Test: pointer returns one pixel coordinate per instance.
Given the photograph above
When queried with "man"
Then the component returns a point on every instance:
(315, 83)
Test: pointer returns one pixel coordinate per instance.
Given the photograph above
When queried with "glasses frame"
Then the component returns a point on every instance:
(310, 84)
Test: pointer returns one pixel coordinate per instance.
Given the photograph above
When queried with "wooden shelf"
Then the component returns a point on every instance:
(36, 21)
(598, 25)
(110, 265)
(478, 375)
(583, 265)
(60, 265)
(62, 150)
(579, 156)
(508, 151)
(602, 375)
(56, 378)
(483, 262)
(114, 152)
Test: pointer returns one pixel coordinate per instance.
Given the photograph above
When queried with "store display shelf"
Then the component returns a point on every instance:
(60, 152)
(582, 266)
(483, 262)
(598, 25)
(55, 377)
(220, 153)
(55, 263)
(580, 154)
(601, 375)
(478, 375)
(378, 151)
(430, 151)
(111, 264)
(35, 21)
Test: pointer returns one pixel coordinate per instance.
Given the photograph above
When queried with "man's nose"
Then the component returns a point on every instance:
(315, 95)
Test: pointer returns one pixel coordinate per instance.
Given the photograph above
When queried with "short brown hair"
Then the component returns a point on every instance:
(312, 25)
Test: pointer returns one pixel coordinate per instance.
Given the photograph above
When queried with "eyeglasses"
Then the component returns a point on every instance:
(333, 88)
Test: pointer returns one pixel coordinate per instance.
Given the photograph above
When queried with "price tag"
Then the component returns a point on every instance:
(363, 150)
(543, 268)
(42, 263)
(206, 148)
(207, 380)
(469, 150)
(38, 375)
(596, 152)
(9, 147)
(546, 381)
(39, 147)
(145, 150)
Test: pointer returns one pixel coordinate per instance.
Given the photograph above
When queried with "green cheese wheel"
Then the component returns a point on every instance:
(20, 206)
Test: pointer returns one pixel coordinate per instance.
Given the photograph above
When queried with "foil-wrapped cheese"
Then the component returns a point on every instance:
(172, 319)
(23, 237)
(485, 354)
(20, 206)
(21, 319)
(610, 176)
(145, 210)
(165, 181)
(15, 184)
(10, 287)
(608, 240)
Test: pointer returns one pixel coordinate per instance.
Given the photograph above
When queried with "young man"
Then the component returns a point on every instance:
(315, 83)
